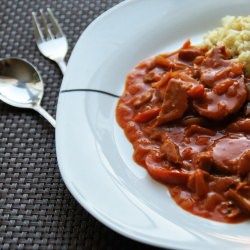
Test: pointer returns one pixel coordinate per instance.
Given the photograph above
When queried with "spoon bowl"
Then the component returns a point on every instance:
(21, 86)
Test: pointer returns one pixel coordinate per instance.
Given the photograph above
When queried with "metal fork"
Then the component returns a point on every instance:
(52, 45)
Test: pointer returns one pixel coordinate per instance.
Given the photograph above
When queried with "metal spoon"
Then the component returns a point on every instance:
(21, 86)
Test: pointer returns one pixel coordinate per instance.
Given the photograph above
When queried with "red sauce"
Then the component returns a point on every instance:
(186, 114)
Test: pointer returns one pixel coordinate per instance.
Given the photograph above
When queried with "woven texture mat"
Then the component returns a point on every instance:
(36, 209)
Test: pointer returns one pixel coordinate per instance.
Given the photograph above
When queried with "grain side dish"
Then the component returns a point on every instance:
(187, 115)
(234, 34)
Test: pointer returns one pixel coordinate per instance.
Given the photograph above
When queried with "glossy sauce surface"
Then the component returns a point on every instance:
(186, 115)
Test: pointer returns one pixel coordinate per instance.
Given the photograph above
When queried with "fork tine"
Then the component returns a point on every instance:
(37, 29)
(48, 32)
(55, 23)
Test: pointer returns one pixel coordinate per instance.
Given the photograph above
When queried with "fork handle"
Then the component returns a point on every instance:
(62, 65)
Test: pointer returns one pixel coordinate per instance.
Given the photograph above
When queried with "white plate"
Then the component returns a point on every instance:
(95, 158)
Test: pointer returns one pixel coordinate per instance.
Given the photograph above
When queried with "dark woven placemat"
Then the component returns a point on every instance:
(36, 209)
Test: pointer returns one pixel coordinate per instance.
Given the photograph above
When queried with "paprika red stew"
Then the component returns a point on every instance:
(187, 114)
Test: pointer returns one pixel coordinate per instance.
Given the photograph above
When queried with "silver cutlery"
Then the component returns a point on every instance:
(50, 38)
(21, 86)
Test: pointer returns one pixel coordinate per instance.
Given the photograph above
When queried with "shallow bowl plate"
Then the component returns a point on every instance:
(95, 158)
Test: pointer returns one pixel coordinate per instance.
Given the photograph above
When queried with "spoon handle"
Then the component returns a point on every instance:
(45, 114)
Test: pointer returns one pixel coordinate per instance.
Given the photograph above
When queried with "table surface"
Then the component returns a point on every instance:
(36, 209)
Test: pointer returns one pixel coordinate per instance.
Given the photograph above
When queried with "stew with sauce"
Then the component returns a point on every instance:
(187, 114)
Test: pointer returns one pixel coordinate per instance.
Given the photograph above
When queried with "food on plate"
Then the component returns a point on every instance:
(235, 36)
(187, 114)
